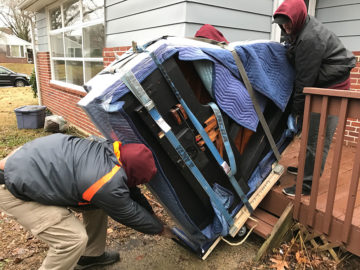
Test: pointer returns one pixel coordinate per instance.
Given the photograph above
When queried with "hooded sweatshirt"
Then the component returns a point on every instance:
(210, 32)
(69, 171)
(319, 57)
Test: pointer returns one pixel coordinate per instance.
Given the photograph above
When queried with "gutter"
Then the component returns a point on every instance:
(34, 5)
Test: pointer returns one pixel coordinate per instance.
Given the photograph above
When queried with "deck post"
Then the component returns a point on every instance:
(318, 161)
(352, 193)
(302, 154)
(335, 165)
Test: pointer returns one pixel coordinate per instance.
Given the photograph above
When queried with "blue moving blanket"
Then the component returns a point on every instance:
(268, 70)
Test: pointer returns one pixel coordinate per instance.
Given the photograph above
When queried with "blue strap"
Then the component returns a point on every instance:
(205, 136)
(230, 154)
(224, 137)
(135, 87)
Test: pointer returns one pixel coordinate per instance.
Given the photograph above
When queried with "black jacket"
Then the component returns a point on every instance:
(320, 60)
(59, 169)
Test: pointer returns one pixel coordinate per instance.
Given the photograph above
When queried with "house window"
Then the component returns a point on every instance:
(76, 40)
(15, 51)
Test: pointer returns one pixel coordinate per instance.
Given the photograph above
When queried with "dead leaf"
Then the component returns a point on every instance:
(301, 259)
(140, 257)
(279, 264)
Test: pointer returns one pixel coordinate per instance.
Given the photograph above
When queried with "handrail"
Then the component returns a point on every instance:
(343, 104)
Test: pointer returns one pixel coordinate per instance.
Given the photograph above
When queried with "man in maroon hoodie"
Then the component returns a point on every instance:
(49, 175)
(320, 60)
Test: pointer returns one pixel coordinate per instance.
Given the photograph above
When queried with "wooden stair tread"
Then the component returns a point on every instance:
(265, 222)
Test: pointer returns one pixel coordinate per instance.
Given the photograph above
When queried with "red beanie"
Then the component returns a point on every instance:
(210, 32)
(138, 162)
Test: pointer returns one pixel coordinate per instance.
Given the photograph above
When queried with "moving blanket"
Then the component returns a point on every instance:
(105, 109)
(265, 63)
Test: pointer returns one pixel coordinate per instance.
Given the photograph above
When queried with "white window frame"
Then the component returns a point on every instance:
(275, 29)
(63, 30)
(23, 50)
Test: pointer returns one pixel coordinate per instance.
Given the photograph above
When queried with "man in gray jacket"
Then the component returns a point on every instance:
(46, 176)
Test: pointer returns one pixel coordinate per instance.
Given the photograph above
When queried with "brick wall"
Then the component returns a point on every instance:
(109, 53)
(353, 125)
(5, 59)
(60, 100)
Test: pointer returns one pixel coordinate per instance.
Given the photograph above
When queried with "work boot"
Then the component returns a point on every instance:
(292, 170)
(86, 262)
(290, 191)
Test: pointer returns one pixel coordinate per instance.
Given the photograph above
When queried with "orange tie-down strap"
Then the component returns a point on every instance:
(91, 191)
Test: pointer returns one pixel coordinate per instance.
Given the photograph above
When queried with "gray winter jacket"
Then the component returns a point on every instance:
(62, 170)
(320, 60)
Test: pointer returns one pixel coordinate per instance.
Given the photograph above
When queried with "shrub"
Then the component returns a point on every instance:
(32, 82)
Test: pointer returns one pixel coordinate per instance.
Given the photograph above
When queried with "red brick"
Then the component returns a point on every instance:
(355, 70)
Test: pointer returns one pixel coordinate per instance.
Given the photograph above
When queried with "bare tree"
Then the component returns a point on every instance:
(17, 20)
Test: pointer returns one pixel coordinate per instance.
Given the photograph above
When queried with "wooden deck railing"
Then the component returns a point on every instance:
(344, 104)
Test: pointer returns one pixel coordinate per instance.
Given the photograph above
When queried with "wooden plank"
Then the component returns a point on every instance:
(335, 165)
(261, 228)
(256, 198)
(281, 227)
(318, 160)
(211, 248)
(302, 154)
(353, 190)
(268, 218)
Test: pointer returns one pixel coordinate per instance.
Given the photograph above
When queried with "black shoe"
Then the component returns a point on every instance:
(290, 191)
(292, 170)
(86, 262)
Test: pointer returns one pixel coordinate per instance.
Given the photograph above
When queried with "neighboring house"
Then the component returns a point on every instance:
(14, 49)
(77, 38)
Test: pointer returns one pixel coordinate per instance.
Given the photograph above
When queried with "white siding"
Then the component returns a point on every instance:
(234, 23)
(42, 34)
(143, 20)
(343, 18)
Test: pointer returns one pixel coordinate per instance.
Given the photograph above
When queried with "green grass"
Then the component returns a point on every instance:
(10, 136)
(18, 67)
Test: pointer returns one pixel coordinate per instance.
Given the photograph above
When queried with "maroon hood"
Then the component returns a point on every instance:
(138, 162)
(296, 11)
(210, 32)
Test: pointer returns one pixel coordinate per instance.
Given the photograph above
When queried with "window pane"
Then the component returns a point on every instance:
(3, 71)
(93, 9)
(94, 40)
(15, 51)
(57, 45)
(55, 18)
(8, 50)
(22, 51)
(71, 12)
(92, 68)
(73, 43)
(59, 70)
(74, 72)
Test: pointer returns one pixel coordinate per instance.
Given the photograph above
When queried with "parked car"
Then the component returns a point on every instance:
(11, 78)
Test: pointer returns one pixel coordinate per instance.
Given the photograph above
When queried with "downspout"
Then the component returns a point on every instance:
(32, 29)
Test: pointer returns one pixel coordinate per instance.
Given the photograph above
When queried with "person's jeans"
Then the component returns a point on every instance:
(331, 124)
